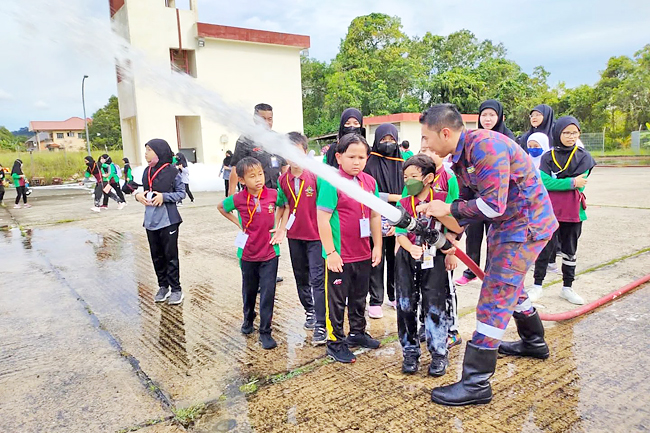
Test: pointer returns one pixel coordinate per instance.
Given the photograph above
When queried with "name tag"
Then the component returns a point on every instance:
(427, 260)
(364, 227)
(241, 239)
(290, 221)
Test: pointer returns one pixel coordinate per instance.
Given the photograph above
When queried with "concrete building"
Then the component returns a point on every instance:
(57, 135)
(408, 126)
(244, 66)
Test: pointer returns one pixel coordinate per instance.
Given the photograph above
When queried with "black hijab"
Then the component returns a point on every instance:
(546, 127)
(107, 159)
(126, 162)
(227, 159)
(581, 161)
(385, 165)
(181, 159)
(347, 114)
(500, 126)
(17, 167)
(164, 180)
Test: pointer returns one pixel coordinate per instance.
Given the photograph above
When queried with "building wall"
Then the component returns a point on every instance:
(71, 143)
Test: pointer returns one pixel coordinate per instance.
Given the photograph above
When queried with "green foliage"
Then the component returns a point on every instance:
(187, 416)
(9, 141)
(106, 123)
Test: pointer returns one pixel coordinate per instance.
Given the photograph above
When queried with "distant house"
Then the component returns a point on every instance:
(57, 135)
(408, 126)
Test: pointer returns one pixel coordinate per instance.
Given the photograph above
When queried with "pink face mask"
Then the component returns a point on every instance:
(153, 161)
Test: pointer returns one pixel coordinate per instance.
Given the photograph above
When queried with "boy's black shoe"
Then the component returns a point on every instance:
(175, 298)
(438, 366)
(363, 340)
(310, 321)
(267, 341)
(341, 353)
(162, 295)
(319, 337)
(410, 364)
(247, 327)
(422, 336)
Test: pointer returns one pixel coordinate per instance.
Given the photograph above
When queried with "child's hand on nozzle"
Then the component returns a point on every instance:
(278, 236)
(416, 251)
(580, 181)
(451, 262)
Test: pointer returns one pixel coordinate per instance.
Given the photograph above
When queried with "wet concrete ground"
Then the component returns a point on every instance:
(84, 348)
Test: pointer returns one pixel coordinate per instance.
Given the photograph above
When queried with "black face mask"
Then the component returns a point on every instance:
(386, 148)
(351, 130)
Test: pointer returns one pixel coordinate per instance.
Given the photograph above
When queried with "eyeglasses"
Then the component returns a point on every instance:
(532, 116)
(571, 134)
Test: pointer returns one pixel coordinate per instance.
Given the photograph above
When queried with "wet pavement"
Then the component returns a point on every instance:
(84, 348)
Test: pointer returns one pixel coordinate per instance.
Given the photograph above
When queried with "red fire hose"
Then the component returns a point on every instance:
(567, 314)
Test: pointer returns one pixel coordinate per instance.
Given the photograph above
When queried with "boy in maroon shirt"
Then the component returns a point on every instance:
(258, 244)
(297, 188)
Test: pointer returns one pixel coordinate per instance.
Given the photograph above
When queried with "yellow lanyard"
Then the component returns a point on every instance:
(295, 199)
(251, 214)
(435, 180)
(415, 214)
(387, 157)
(567, 161)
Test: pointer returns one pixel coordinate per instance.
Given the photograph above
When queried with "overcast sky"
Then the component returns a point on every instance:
(571, 39)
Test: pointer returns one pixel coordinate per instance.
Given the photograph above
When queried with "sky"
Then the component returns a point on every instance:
(41, 75)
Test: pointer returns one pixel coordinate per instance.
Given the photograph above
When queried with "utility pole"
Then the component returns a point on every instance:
(83, 101)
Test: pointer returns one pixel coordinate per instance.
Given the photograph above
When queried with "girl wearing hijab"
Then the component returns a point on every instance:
(351, 123)
(19, 182)
(128, 171)
(181, 164)
(385, 166)
(110, 177)
(163, 188)
(2, 185)
(93, 169)
(537, 146)
(491, 117)
(541, 120)
(226, 168)
(564, 171)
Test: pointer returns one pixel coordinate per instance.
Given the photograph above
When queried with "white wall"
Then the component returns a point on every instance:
(409, 131)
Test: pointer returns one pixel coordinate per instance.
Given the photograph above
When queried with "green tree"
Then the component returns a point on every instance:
(106, 123)
(10, 142)
(317, 119)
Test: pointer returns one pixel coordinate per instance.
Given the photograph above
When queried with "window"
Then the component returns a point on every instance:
(59, 135)
(80, 135)
(71, 134)
(183, 61)
(179, 4)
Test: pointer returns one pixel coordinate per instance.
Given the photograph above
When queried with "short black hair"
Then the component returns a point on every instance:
(263, 107)
(405, 144)
(423, 162)
(246, 164)
(442, 116)
(348, 139)
(298, 138)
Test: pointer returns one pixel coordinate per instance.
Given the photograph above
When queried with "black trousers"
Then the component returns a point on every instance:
(227, 185)
(377, 273)
(262, 275)
(99, 192)
(309, 271)
(352, 285)
(429, 289)
(188, 192)
(163, 244)
(118, 196)
(2, 191)
(566, 239)
(21, 191)
(473, 242)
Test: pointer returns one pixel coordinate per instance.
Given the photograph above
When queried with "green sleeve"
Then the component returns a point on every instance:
(376, 190)
(228, 204)
(453, 191)
(86, 174)
(129, 175)
(327, 196)
(174, 161)
(325, 158)
(397, 229)
(551, 184)
(282, 199)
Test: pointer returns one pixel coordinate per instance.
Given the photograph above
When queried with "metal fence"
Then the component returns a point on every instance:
(593, 141)
(640, 140)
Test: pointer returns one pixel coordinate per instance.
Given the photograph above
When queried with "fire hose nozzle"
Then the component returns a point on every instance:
(430, 235)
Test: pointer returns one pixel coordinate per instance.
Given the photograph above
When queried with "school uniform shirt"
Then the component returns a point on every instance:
(509, 191)
(346, 214)
(261, 210)
(109, 173)
(302, 189)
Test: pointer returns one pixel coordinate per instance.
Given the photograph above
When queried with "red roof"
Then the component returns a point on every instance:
(250, 35)
(408, 117)
(72, 124)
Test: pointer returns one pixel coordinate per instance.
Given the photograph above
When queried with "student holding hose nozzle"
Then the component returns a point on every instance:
(511, 195)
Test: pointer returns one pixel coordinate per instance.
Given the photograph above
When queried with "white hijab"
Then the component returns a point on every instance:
(542, 139)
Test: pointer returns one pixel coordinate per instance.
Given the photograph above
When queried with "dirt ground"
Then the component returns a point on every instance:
(84, 348)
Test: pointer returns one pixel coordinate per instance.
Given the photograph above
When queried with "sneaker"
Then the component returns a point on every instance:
(162, 295)
(453, 339)
(553, 267)
(571, 296)
(247, 327)
(438, 366)
(176, 298)
(268, 342)
(392, 304)
(103, 207)
(95, 209)
(16, 206)
(319, 337)
(341, 353)
(422, 335)
(410, 364)
(375, 312)
(535, 292)
(279, 279)
(120, 206)
(310, 321)
(179, 204)
(464, 280)
(363, 340)
(27, 205)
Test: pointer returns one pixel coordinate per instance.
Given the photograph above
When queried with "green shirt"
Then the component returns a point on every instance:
(406, 155)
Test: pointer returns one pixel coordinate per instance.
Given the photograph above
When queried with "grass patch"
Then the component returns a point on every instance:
(622, 152)
(67, 166)
(250, 387)
(281, 377)
(188, 415)
(64, 221)
(389, 339)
